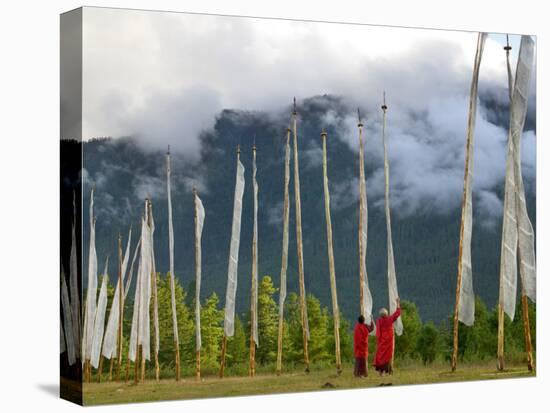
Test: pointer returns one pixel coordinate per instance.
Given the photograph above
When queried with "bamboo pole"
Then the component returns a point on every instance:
(254, 282)
(524, 303)
(284, 255)
(387, 200)
(172, 275)
(527, 332)
(136, 364)
(360, 227)
(500, 349)
(154, 303)
(120, 313)
(299, 243)
(330, 251)
(127, 369)
(500, 343)
(111, 362)
(252, 361)
(222, 361)
(198, 365)
(470, 131)
(100, 369)
(197, 287)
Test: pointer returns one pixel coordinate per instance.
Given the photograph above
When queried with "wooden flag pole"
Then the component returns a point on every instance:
(111, 362)
(100, 368)
(284, 255)
(127, 369)
(253, 284)
(500, 344)
(120, 313)
(465, 201)
(303, 303)
(172, 275)
(154, 303)
(524, 303)
(360, 227)
(252, 361)
(332, 271)
(222, 360)
(197, 292)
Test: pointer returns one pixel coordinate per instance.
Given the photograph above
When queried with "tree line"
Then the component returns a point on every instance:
(421, 342)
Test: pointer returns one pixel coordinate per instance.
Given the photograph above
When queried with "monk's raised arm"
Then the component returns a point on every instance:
(396, 314)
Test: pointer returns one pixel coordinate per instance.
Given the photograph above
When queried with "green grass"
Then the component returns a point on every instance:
(324, 379)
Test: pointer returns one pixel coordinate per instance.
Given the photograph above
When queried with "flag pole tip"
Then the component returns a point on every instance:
(324, 132)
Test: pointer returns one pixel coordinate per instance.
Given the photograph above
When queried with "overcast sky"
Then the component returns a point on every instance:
(163, 77)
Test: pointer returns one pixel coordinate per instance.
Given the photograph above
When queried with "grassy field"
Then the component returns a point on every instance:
(325, 379)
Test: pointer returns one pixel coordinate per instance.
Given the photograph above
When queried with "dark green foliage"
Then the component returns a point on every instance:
(428, 343)
(423, 342)
(211, 333)
(405, 345)
(268, 318)
(237, 346)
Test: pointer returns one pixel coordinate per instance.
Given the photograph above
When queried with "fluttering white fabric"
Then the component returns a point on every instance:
(145, 291)
(73, 286)
(154, 281)
(99, 321)
(392, 278)
(363, 226)
(284, 253)
(131, 271)
(132, 347)
(299, 243)
(199, 224)
(517, 231)
(111, 332)
(140, 333)
(171, 250)
(466, 304)
(254, 286)
(229, 318)
(68, 320)
(91, 293)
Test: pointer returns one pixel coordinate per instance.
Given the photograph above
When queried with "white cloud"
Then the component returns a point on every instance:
(165, 76)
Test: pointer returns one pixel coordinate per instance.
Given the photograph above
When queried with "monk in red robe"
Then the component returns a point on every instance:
(361, 346)
(385, 340)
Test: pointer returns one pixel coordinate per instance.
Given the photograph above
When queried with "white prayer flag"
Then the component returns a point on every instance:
(111, 332)
(363, 226)
(171, 251)
(518, 236)
(392, 278)
(229, 319)
(73, 286)
(99, 320)
(68, 320)
(254, 287)
(199, 224)
(91, 293)
(466, 304)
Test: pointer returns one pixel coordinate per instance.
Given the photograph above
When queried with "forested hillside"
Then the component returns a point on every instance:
(425, 242)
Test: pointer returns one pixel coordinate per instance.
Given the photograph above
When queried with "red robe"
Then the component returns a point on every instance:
(384, 339)
(361, 340)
